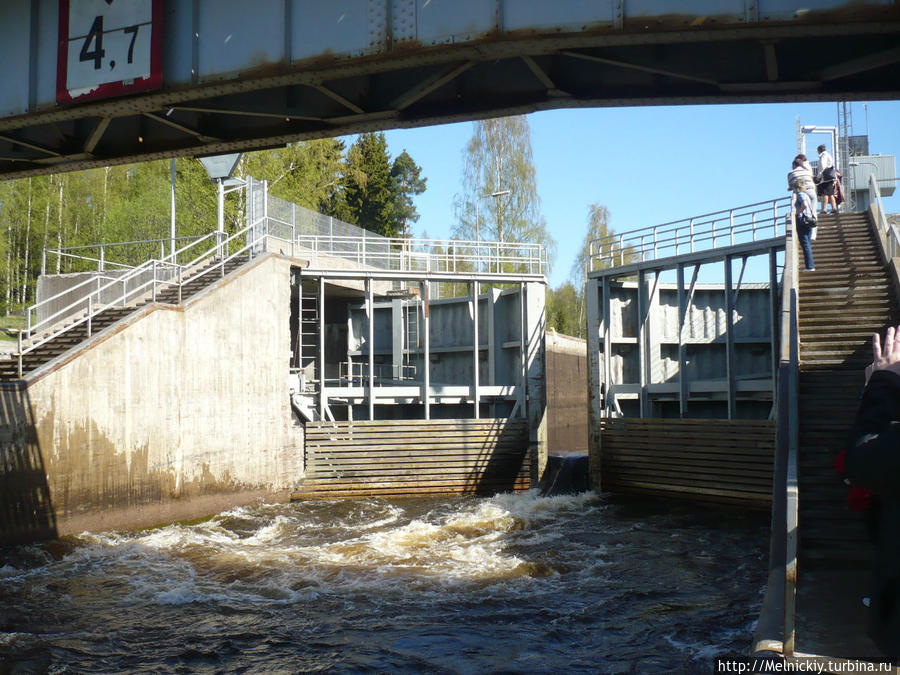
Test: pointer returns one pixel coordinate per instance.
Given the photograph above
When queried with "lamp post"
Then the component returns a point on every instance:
(172, 205)
(220, 168)
(499, 193)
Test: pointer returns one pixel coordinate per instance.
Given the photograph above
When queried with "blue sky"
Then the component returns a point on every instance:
(647, 165)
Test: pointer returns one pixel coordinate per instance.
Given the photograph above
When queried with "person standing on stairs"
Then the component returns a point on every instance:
(825, 188)
(800, 182)
(873, 462)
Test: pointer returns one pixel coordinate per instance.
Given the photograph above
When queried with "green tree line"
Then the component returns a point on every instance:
(361, 184)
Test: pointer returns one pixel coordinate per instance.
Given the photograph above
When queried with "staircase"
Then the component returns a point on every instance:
(64, 341)
(842, 303)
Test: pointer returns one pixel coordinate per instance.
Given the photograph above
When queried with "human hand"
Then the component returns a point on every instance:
(887, 358)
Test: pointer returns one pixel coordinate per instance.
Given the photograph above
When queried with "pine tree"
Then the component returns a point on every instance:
(368, 186)
(407, 184)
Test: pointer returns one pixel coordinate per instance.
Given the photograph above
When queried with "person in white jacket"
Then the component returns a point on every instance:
(825, 188)
(800, 182)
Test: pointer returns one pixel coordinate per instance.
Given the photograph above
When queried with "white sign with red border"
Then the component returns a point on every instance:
(108, 48)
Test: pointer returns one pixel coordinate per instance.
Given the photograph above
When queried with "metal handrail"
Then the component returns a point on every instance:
(125, 243)
(790, 357)
(776, 627)
(101, 261)
(46, 301)
(348, 372)
(724, 228)
(400, 254)
(65, 251)
(94, 308)
(888, 232)
(48, 321)
(260, 233)
(91, 312)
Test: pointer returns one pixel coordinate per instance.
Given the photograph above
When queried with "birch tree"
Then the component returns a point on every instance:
(500, 200)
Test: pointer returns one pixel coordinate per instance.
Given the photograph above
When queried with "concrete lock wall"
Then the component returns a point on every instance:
(179, 412)
(567, 399)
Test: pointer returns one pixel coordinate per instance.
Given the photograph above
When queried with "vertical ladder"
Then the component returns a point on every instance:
(411, 342)
(308, 339)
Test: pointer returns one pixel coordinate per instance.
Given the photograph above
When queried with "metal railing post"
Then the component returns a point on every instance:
(692, 234)
(44, 262)
(19, 354)
(90, 313)
(154, 281)
(179, 284)
(100, 265)
(731, 225)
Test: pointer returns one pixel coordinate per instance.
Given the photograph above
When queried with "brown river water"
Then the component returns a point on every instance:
(513, 583)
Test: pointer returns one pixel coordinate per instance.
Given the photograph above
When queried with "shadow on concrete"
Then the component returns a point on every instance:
(26, 512)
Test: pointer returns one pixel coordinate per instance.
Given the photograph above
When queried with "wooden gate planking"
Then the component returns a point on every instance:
(403, 458)
(724, 461)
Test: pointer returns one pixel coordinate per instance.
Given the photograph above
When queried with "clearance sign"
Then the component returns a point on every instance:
(108, 48)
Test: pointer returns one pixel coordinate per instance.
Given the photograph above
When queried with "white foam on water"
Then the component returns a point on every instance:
(277, 553)
(9, 571)
(470, 543)
(17, 640)
(707, 652)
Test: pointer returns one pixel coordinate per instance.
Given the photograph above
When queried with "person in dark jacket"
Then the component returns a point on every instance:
(873, 462)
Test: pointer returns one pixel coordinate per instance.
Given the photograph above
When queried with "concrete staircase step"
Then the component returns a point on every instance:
(842, 303)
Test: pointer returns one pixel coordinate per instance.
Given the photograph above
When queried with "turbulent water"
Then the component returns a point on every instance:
(514, 583)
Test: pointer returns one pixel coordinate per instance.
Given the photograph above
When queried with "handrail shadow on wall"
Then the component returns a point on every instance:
(26, 509)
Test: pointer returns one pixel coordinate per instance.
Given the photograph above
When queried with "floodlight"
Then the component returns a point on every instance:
(220, 167)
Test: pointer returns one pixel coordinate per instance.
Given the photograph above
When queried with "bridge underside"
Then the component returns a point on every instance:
(663, 60)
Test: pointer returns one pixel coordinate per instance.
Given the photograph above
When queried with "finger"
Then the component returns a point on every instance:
(894, 355)
(876, 348)
(888, 342)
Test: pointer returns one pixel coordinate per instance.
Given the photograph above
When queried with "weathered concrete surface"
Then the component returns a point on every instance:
(567, 399)
(177, 413)
(26, 513)
(536, 372)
